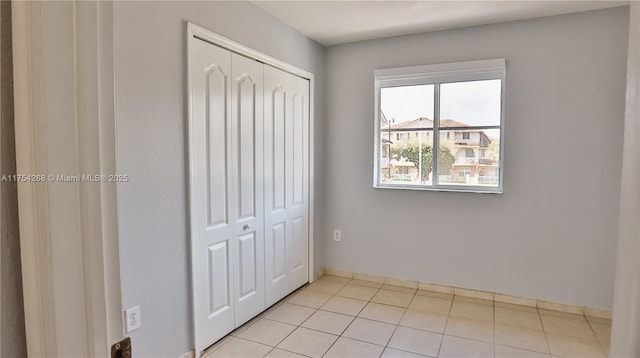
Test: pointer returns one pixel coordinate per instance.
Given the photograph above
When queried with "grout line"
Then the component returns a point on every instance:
(494, 328)
(597, 338)
(444, 330)
(544, 331)
(340, 335)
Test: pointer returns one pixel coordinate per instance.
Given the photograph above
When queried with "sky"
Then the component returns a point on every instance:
(474, 103)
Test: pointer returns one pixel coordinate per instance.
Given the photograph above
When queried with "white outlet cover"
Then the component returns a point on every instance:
(132, 318)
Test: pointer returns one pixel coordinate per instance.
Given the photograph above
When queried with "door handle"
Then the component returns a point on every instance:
(246, 227)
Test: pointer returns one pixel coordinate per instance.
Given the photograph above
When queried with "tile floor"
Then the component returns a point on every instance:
(340, 317)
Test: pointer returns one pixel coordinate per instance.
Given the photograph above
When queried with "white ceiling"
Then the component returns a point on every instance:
(335, 22)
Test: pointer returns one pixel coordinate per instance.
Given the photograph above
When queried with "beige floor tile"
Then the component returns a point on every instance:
(456, 347)
(334, 278)
(523, 338)
(292, 314)
(346, 347)
(564, 346)
(512, 306)
(308, 342)
(370, 331)
(216, 346)
(357, 292)
(236, 332)
(238, 347)
(309, 298)
(279, 353)
(329, 322)
(393, 298)
(602, 331)
(380, 312)
(477, 301)
(509, 352)
(470, 328)
(326, 286)
(427, 321)
(366, 283)
(399, 288)
(472, 311)
(430, 304)
(578, 328)
(267, 332)
(446, 296)
(517, 318)
(344, 305)
(416, 341)
(396, 353)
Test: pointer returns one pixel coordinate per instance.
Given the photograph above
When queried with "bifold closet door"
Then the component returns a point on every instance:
(286, 156)
(227, 194)
(247, 133)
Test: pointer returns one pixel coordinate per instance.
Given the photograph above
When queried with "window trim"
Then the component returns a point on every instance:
(439, 73)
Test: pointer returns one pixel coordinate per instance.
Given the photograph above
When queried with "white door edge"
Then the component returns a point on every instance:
(63, 305)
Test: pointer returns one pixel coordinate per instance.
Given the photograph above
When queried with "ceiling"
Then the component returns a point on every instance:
(336, 22)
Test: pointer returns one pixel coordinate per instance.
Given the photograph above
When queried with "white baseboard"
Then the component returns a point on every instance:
(460, 291)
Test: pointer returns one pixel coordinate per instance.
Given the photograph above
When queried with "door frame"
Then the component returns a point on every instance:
(197, 33)
(65, 124)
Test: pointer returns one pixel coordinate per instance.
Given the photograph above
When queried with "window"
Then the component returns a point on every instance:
(463, 172)
(457, 108)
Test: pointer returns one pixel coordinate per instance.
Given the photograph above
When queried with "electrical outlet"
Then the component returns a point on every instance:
(132, 318)
(337, 235)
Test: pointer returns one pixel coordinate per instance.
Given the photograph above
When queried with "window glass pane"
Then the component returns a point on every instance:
(408, 160)
(407, 107)
(469, 162)
(473, 103)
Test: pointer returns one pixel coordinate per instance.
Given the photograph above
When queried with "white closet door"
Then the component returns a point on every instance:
(247, 153)
(213, 225)
(286, 156)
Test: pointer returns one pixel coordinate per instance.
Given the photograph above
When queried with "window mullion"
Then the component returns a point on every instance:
(436, 135)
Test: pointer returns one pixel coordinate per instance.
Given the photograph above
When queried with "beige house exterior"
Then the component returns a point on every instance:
(476, 162)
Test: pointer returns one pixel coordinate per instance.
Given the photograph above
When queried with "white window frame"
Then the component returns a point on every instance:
(437, 74)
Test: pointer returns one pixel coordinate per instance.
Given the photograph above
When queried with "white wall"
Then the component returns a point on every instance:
(552, 234)
(151, 115)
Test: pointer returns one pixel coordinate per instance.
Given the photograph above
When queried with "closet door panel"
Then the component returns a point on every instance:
(275, 148)
(214, 246)
(286, 175)
(298, 204)
(247, 123)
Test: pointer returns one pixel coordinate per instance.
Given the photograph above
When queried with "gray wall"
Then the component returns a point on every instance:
(552, 234)
(12, 341)
(151, 112)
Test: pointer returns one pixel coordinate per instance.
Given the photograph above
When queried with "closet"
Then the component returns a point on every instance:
(249, 184)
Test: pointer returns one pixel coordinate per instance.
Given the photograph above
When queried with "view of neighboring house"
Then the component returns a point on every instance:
(475, 160)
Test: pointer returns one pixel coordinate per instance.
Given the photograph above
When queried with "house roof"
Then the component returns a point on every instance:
(421, 122)
(452, 123)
